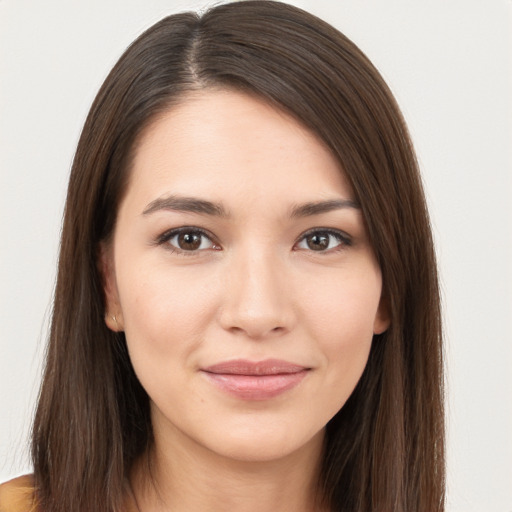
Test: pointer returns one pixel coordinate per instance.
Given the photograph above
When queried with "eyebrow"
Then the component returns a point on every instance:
(204, 207)
(316, 208)
(185, 204)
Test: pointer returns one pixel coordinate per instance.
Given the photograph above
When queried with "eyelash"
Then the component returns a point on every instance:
(166, 237)
(343, 239)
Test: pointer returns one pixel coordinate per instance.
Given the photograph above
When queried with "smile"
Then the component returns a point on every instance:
(249, 380)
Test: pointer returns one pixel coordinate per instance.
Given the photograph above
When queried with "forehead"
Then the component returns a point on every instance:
(218, 142)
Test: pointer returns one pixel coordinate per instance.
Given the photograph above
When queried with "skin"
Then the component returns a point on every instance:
(260, 284)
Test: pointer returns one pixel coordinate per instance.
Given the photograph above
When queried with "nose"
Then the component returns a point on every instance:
(257, 300)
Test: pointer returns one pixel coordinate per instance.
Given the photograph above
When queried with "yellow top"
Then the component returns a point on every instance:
(17, 495)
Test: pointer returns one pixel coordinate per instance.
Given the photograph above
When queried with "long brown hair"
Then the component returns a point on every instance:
(384, 449)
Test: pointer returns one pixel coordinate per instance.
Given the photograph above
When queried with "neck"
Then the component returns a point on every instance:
(187, 477)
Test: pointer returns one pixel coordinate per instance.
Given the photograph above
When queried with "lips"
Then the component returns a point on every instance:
(259, 380)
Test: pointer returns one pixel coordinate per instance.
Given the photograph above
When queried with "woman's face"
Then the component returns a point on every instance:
(242, 275)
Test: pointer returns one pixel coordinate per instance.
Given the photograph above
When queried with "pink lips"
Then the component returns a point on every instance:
(255, 380)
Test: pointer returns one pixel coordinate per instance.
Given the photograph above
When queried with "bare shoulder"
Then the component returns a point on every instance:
(17, 495)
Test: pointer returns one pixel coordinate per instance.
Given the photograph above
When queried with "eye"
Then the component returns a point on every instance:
(188, 240)
(322, 240)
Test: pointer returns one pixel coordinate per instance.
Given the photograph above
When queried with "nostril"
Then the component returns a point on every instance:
(256, 331)
(254, 308)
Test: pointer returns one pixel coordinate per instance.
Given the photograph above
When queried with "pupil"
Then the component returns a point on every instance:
(318, 242)
(189, 241)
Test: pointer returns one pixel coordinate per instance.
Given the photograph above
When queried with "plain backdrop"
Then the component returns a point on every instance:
(448, 63)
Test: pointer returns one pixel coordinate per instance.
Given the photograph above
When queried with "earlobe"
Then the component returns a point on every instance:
(382, 318)
(113, 313)
(113, 323)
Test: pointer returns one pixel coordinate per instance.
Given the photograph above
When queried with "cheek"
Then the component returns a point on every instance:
(344, 310)
(341, 319)
(165, 312)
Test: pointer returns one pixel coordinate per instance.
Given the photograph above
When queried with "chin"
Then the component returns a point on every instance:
(268, 445)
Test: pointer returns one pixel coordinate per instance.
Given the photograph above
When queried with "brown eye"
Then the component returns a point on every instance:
(317, 242)
(187, 240)
(323, 241)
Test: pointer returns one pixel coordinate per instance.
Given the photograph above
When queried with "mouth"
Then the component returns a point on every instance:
(259, 380)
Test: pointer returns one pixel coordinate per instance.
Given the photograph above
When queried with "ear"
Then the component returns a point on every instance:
(382, 318)
(113, 313)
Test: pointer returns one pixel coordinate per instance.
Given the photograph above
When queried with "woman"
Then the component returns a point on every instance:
(246, 313)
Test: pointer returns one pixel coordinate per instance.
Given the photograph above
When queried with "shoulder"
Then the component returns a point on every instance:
(17, 495)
